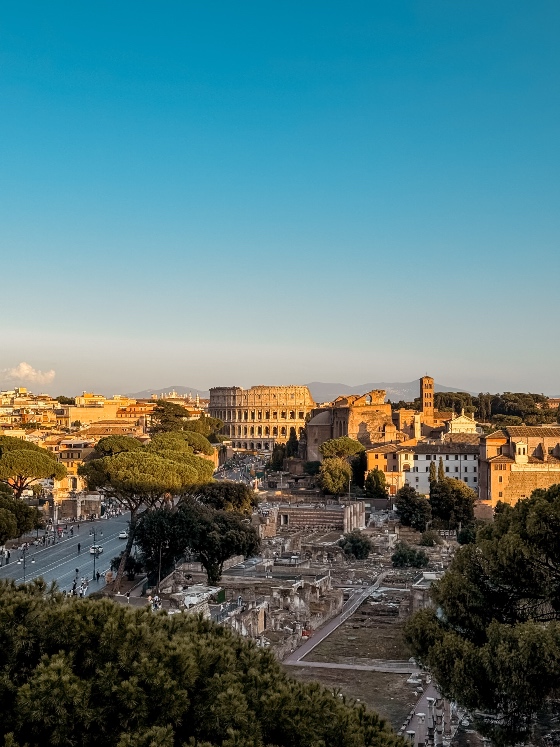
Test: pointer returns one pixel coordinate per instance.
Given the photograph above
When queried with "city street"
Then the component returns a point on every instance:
(60, 561)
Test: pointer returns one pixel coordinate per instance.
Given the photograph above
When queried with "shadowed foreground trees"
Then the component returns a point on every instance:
(90, 673)
(494, 642)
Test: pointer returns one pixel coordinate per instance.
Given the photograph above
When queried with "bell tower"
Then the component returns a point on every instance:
(427, 399)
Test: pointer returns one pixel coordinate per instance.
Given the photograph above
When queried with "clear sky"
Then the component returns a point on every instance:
(278, 192)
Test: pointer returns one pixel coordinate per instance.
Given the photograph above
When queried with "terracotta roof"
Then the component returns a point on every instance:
(549, 460)
(501, 459)
(384, 448)
(462, 438)
(534, 431)
(446, 448)
(497, 434)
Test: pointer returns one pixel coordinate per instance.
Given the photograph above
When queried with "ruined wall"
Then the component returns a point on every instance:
(521, 483)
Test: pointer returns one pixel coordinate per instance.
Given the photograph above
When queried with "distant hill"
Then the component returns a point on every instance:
(322, 392)
(147, 393)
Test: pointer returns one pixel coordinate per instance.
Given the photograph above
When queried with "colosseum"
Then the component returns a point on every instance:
(261, 416)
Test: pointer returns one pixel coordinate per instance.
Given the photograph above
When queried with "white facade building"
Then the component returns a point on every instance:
(460, 461)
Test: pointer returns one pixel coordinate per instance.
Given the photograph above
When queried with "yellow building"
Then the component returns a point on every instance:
(517, 460)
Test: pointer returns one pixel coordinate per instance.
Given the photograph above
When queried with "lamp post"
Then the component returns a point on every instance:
(23, 560)
(93, 533)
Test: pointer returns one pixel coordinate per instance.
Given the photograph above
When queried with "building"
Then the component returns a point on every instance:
(409, 464)
(261, 416)
(366, 418)
(90, 408)
(517, 460)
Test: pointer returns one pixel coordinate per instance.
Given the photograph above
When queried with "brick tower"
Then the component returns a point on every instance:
(427, 399)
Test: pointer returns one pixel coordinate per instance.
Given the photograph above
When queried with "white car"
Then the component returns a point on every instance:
(95, 550)
(123, 535)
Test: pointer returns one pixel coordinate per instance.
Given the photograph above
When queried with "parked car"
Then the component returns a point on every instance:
(123, 535)
(95, 550)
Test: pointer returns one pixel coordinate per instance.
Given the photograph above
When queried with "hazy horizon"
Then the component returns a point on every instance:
(219, 194)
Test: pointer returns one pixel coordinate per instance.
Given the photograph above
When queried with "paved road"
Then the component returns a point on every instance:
(348, 609)
(377, 665)
(59, 562)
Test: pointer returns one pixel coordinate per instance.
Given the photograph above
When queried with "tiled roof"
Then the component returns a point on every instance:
(384, 448)
(532, 431)
(445, 448)
(462, 438)
(497, 434)
(501, 459)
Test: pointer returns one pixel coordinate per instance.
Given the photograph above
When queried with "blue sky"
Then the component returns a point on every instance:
(217, 193)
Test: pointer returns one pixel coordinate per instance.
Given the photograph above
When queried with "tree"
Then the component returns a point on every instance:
(112, 445)
(375, 484)
(22, 463)
(413, 509)
(160, 542)
(433, 473)
(452, 503)
(334, 476)
(225, 495)
(8, 526)
(359, 467)
(342, 447)
(277, 457)
(407, 557)
(26, 517)
(167, 417)
(66, 400)
(139, 481)
(430, 539)
(90, 672)
(292, 445)
(356, 545)
(492, 640)
(312, 468)
(440, 470)
(215, 536)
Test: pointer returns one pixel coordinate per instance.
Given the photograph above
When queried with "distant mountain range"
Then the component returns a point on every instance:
(323, 392)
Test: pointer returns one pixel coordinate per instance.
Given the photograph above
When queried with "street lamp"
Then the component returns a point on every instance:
(23, 560)
(93, 533)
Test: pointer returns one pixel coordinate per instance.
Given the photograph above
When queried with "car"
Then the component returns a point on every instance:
(123, 535)
(95, 550)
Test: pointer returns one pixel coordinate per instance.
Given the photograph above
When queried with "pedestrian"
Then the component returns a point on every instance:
(98, 576)
(128, 597)
(79, 548)
(8, 557)
(71, 531)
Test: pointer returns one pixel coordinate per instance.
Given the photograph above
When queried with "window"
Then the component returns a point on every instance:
(447, 469)
(284, 413)
(474, 479)
(500, 479)
(456, 456)
(275, 415)
(292, 415)
(446, 457)
(267, 415)
(416, 456)
(474, 469)
(377, 456)
(427, 469)
(456, 469)
(500, 494)
(301, 415)
(252, 414)
(428, 456)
